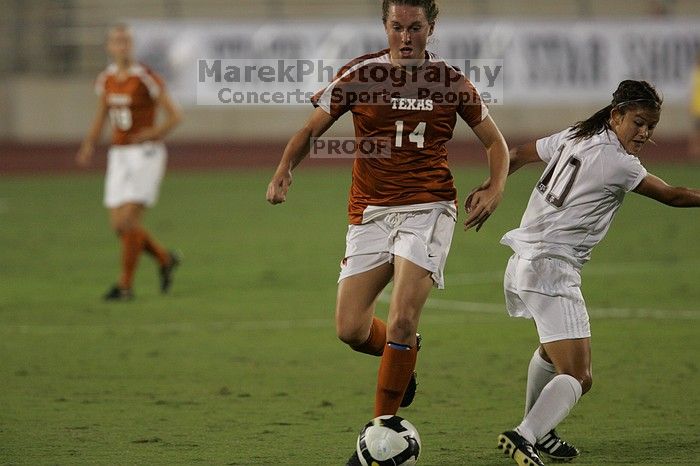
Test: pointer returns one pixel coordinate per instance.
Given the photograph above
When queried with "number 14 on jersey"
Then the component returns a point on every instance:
(416, 136)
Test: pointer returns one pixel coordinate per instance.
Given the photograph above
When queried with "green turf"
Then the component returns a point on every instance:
(240, 365)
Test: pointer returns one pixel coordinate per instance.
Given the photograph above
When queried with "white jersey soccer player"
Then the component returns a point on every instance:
(569, 212)
(590, 168)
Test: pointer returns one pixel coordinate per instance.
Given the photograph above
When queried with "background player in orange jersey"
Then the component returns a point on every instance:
(130, 94)
(402, 205)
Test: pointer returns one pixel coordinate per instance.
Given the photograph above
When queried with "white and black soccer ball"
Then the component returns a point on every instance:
(388, 441)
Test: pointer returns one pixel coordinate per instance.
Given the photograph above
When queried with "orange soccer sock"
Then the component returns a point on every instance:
(395, 370)
(151, 246)
(376, 341)
(132, 245)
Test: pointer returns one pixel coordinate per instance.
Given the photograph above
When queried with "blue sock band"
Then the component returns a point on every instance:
(398, 346)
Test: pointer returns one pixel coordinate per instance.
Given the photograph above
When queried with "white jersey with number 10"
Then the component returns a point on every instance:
(576, 198)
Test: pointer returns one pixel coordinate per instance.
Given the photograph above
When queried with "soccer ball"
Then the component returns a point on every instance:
(388, 441)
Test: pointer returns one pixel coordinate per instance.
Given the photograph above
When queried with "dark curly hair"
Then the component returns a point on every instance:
(629, 94)
(429, 6)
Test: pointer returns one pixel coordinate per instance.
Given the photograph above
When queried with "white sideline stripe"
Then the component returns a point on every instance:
(464, 307)
(606, 312)
(384, 297)
(603, 312)
(476, 278)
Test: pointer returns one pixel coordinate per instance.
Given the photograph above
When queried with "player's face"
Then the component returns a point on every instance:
(120, 45)
(407, 30)
(634, 127)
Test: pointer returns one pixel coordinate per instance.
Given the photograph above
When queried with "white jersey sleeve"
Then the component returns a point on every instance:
(547, 147)
(623, 171)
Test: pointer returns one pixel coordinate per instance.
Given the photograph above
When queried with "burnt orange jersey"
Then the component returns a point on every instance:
(414, 112)
(131, 100)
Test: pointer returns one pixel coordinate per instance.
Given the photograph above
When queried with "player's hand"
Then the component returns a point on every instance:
(84, 156)
(480, 204)
(278, 187)
(470, 196)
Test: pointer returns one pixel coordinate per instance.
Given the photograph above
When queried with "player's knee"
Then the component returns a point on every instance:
(118, 227)
(122, 227)
(402, 329)
(350, 333)
(351, 336)
(586, 382)
(584, 378)
(127, 223)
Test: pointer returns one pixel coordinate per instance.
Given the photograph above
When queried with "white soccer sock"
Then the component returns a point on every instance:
(539, 373)
(554, 403)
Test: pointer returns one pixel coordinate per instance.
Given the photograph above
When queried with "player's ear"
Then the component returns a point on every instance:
(431, 29)
(616, 116)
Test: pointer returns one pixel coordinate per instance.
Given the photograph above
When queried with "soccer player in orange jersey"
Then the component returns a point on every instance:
(130, 95)
(402, 206)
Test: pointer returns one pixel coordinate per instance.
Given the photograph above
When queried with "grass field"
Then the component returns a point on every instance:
(240, 364)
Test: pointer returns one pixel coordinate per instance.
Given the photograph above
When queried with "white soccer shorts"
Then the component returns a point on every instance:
(547, 290)
(134, 173)
(423, 237)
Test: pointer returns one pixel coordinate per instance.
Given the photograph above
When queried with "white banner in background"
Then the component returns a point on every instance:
(543, 62)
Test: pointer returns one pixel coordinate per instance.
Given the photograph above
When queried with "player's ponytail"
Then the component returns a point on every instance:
(595, 124)
(629, 94)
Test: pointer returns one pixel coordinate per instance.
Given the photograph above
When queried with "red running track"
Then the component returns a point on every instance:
(27, 159)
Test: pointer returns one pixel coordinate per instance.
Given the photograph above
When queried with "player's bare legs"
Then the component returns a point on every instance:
(354, 313)
(126, 223)
(572, 360)
(572, 357)
(412, 285)
(126, 217)
(540, 372)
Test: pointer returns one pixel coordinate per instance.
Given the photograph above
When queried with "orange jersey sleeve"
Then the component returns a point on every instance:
(411, 112)
(131, 99)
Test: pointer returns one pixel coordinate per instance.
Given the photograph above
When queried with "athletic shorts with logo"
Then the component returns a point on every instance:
(421, 236)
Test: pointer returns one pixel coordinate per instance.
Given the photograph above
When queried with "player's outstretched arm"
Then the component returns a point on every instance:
(297, 148)
(481, 203)
(87, 148)
(675, 196)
